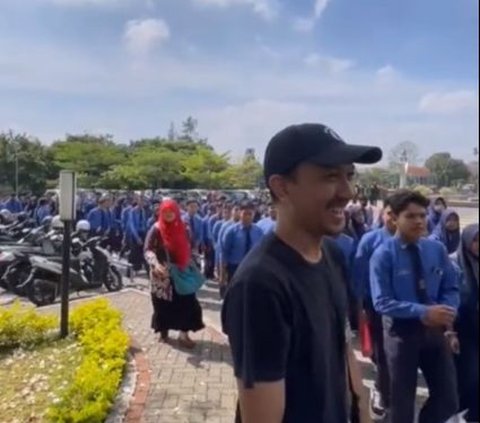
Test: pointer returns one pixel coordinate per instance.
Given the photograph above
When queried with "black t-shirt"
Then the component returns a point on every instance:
(285, 319)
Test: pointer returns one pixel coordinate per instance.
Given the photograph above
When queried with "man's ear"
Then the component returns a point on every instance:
(279, 187)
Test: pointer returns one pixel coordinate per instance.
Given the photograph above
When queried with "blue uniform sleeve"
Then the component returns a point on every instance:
(226, 245)
(361, 269)
(93, 219)
(132, 225)
(381, 283)
(449, 287)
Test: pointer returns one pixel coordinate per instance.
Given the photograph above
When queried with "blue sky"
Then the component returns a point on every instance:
(377, 71)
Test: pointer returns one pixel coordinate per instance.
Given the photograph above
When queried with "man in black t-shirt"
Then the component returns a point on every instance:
(285, 310)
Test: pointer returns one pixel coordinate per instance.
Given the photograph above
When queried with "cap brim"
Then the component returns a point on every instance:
(344, 154)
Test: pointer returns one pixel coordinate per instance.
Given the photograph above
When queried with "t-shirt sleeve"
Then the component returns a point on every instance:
(254, 319)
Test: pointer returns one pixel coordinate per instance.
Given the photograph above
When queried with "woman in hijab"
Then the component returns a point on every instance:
(166, 241)
(437, 207)
(356, 226)
(467, 325)
(448, 230)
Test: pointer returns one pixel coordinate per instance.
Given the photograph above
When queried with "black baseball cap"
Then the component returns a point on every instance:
(313, 143)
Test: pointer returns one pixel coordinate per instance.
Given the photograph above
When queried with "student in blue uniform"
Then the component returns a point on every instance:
(42, 211)
(467, 324)
(208, 248)
(154, 217)
(435, 210)
(237, 241)
(136, 232)
(415, 289)
(268, 223)
(217, 227)
(371, 241)
(13, 205)
(195, 224)
(448, 230)
(100, 218)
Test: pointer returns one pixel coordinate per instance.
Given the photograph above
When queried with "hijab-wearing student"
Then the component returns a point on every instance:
(448, 230)
(467, 324)
(435, 210)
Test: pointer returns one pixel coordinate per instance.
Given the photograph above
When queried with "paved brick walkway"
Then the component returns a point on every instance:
(185, 386)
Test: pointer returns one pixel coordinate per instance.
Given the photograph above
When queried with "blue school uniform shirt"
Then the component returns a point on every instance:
(137, 224)
(392, 279)
(195, 224)
(267, 225)
(41, 213)
(100, 220)
(361, 262)
(13, 206)
(125, 216)
(234, 240)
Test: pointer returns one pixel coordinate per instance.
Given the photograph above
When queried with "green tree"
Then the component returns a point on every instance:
(33, 160)
(247, 175)
(447, 170)
(204, 168)
(90, 156)
(383, 177)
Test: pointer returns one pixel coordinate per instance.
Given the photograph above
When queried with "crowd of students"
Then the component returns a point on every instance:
(393, 283)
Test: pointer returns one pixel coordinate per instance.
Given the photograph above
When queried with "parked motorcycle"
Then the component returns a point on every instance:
(91, 269)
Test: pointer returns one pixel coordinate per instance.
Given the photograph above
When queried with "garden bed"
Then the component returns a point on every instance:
(74, 380)
(34, 379)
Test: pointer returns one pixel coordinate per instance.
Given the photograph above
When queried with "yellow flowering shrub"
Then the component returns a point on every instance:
(97, 326)
(22, 326)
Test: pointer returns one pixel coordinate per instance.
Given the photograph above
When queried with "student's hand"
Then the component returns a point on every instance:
(438, 316)
(453, 342)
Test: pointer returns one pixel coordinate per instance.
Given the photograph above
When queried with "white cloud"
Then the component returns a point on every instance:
(141, 36)
(387, 74)
(267, 9)
(445, 103)
(319, 8)
(306, 24)
(331, 65)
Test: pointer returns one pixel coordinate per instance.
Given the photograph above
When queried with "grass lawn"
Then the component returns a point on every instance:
(32, 380)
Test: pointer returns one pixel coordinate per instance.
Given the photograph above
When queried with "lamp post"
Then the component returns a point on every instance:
(68, 187)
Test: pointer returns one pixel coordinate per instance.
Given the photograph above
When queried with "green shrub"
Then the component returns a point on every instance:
(424, 190)
(22, 326)
(447, 192)
(98, 328)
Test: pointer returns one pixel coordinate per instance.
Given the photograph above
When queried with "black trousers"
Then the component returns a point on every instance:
(468, 377)
(382, 380)
(408, 347)
(209, 269)
(136, 257)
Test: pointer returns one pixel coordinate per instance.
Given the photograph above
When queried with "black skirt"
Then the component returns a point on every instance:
(183, 313)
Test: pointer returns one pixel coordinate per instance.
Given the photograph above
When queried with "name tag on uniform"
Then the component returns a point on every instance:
(437, 271)
(404, 272)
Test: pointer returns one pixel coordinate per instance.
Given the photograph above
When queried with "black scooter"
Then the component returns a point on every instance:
(91, 269)
(15, 264)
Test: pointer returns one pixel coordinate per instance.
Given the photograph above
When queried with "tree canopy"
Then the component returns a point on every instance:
(183, 160)
(447, 170)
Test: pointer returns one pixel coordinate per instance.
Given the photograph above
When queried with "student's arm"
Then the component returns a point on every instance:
(381, 282)
(265, 403)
